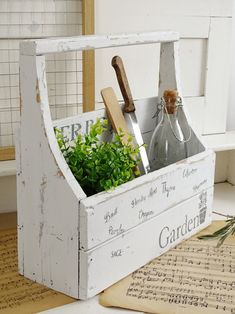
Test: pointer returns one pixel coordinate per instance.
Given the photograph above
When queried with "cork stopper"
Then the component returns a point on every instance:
(170, 96)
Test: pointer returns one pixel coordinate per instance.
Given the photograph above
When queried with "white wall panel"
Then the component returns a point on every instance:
(218, 75)
(202, 48)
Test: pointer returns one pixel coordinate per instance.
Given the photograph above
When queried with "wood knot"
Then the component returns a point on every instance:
(38, 98)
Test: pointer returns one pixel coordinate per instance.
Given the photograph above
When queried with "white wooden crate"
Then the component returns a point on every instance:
(80, 245)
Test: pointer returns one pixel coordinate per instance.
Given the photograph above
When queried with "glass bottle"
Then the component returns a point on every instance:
(168, 143)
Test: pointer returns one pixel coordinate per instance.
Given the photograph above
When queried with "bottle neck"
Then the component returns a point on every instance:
(170, 120)
(171, 116)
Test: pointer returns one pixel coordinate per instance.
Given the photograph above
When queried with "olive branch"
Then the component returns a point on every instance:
(223, 233)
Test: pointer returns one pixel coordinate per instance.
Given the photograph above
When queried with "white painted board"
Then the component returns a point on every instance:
(115, 259)
(217, 76)
(166, 7)
(47, 193)
(106, 215)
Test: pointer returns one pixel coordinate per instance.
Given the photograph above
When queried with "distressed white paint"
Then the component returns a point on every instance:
(139, 245)
(48, 194)
(106, 215)
(50, 217)
(79, 43)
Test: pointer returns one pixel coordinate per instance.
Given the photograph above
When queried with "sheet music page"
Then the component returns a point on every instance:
(18, 294)
(194, 277)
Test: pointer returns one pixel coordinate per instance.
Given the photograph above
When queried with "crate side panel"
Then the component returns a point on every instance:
(80, 124)
(107, 215)
(110, 262)
(47, 205)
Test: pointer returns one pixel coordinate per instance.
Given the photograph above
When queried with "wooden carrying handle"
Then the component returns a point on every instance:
(123, 84)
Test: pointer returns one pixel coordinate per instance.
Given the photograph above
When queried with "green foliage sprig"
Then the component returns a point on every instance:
(97, 165)
(221, 234)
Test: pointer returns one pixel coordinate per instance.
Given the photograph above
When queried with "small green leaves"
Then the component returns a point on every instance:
(96, 165)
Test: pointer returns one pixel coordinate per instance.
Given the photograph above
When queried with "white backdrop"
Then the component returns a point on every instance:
(205, 48)
(231, 108)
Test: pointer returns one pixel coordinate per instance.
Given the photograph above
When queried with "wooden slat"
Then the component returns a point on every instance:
(90, 42)
(88, 57)
(132, 9)
(136, 252)
(7, 153)
(137, 199)
(217, 76)
(197, 27)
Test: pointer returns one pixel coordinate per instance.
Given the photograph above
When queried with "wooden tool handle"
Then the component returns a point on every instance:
(123, 84)
(116, 117)
(114, 112)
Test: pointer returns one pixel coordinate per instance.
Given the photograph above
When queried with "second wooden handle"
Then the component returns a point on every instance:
(123, 83)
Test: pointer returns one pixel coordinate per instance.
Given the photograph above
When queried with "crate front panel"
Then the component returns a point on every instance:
(106, 215)
(115, 259)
